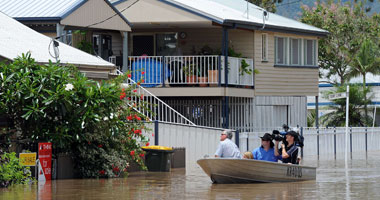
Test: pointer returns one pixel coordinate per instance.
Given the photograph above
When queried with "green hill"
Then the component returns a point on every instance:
(292, 8)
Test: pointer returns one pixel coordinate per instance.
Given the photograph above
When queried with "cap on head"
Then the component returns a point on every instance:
(266, 137)
(292, 133)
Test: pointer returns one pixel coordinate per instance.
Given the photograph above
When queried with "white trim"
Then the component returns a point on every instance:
(299, 62)
(264, 58)
(314, 52)
(285, 49)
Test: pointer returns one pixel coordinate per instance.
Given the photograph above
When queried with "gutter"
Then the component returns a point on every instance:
(268, 27)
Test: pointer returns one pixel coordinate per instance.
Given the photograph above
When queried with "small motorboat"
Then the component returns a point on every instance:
(231, 170)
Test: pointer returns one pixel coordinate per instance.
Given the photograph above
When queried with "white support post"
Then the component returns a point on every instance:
(60, 32)
(347, 110)
(125, 52)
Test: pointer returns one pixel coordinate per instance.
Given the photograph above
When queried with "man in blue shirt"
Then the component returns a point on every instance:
(266, 152)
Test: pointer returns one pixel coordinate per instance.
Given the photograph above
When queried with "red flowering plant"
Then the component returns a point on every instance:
(118, 140)
(94, 121)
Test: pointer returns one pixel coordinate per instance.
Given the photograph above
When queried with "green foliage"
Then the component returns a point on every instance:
(190, 70)
(356, 104)
(269, 5)
(89, 119)
(244, 68)
(311, 118)
(85, 45)
(11, 172)
(348, 26)
(366, 61)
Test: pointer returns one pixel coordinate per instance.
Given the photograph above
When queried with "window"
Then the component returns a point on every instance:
(281, 51)
(264, 47)
(295, 51)
(310, 52)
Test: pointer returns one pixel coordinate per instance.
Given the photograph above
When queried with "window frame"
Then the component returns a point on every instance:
(264, 47)
(299, 62)
(313, 53)
(302, 53)
(285, 49)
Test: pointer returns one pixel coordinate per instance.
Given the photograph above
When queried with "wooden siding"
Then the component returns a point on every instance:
(269, 111)
(154, 12)
(95, 11)
(278, 81)
(242, 41)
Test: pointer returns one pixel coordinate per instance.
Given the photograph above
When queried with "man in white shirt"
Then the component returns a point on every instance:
(227, 148)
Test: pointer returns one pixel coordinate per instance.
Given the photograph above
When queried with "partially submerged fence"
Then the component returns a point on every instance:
(200, 141)
(197, 140)
(325, 141)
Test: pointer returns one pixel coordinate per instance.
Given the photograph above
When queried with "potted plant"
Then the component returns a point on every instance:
(244, 68)
(202, 76)
(190, 74)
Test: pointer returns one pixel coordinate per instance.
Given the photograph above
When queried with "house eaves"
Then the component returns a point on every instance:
(233, 13)
(16, 39)
(50, 10)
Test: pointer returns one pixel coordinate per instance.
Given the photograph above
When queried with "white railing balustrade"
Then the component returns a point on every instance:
(189, 70)
(154, 108)
(236, 74)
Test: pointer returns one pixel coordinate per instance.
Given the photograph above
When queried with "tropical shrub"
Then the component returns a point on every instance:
(90, 119)
(11, 172)
(356, 112)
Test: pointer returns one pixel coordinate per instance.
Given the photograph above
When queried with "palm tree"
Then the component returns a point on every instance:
(366, 61)
(311, 118)
(357, 102)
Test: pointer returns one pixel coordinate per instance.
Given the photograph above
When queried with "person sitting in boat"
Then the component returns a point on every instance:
(227, 148)
(266, 151)
(248, 155)
(289, 153)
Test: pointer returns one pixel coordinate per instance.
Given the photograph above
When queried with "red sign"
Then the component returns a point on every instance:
(44, 166)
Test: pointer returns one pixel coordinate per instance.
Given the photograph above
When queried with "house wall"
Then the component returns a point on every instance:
(279, 81)
(93, 12)
(156, 13)
(271, 112)
(242, 41)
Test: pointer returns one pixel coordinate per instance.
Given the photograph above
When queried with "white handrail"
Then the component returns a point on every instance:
(161, 102)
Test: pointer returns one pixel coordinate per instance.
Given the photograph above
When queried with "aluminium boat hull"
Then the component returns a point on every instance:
(229, 170)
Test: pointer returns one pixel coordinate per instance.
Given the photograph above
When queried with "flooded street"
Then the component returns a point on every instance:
(360, 181)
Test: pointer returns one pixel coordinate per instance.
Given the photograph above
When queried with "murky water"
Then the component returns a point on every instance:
(361, 180)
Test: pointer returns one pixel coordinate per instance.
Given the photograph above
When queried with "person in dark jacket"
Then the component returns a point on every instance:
(289, 153)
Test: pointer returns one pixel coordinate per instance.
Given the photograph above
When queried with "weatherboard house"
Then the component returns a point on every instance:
(220, 63)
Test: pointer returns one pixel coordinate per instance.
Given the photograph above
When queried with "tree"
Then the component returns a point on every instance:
(269, 5)
(348, 25)
(356, 103)
(311, 118)
(87, 118)
(366, 61)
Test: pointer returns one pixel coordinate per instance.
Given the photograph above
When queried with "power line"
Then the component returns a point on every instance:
(113, 15)
(285, 4)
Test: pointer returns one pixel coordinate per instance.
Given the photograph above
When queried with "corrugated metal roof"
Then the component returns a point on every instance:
(235, 11)
(16, 38)
(37, 8)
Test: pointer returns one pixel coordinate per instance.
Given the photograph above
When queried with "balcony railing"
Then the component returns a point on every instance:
(190, 70)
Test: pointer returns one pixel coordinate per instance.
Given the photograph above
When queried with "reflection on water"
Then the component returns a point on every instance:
(360, 180)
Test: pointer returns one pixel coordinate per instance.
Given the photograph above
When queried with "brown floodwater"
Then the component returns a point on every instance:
(361, 180)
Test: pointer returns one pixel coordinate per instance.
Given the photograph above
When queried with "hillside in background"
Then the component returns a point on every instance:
(292, 8)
